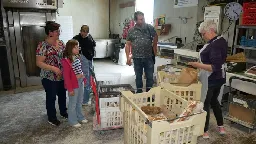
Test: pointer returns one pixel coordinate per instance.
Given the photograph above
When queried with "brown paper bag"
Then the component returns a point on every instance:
(188, 76)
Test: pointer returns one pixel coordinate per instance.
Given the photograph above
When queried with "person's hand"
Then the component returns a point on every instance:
(71, 93)
(194, 64)
(129, 61)
(155, 51)
(56, 70)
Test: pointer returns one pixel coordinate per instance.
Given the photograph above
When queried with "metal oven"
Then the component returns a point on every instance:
(24, 29)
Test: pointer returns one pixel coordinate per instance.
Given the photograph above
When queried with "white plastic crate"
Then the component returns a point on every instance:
(189, 93)
(167, 77)
(109, 103)
(108, 78)
(110, 114)
(139, 130)
(111, 119)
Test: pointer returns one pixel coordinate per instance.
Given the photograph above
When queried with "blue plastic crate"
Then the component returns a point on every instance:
(249, 43)
(243, 43)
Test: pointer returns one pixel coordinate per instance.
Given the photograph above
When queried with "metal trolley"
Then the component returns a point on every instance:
(241, 107)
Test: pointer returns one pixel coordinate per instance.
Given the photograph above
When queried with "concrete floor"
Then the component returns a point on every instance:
(23, 120)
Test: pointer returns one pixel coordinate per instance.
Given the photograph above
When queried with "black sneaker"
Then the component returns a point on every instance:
(65, 116)
(54, 122)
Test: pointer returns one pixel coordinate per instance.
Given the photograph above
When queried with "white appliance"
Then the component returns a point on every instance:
(105, 47)
(122, 57)
(214, 13)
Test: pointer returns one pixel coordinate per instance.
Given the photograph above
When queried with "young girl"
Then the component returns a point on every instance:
(74, 83)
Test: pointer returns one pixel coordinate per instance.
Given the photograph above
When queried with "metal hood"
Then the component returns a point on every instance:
(32, 4)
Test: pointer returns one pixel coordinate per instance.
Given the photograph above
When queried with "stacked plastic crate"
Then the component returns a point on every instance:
(167, 80)
(248, 42)
(109, 93)
(139, 129)
(249, 13)
(111, 116)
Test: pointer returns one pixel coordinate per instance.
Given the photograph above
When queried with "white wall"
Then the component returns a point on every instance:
(118, 15)
(186, 30)
(172, 17)
(94, 13)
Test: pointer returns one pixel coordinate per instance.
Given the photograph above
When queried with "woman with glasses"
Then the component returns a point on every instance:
(212, 72)
(48, 58)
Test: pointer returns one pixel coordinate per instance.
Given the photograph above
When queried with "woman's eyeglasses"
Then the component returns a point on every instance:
(78, 47)
(58, 31)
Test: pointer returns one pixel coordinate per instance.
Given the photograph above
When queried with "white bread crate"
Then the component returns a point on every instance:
(111, 103)
(139, 130)
(108, 78)
(166, 77)
(189, 93)
(110, 114)
(111, 118)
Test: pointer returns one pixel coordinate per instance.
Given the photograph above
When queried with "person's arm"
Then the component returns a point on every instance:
(128, 49)
(40, 60)
(128, 46)
(93, 41)
(67, 75)
(155, 40)
(215, 56)
(41, 64)
(206, 67)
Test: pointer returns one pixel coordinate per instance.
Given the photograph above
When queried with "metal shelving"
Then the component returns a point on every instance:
(240, 46)
(251, 61)
(244, 47)
(246, 27)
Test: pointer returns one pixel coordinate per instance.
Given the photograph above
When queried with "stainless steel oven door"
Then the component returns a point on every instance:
(25, 32)
(31, 36)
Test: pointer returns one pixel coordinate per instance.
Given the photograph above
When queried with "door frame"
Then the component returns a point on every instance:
(16, 20)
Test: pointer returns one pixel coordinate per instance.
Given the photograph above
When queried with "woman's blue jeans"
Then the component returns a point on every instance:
(75, 113)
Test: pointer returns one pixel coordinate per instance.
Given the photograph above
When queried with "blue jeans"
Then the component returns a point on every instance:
(86, 65)
(75, 112)
(148, 65)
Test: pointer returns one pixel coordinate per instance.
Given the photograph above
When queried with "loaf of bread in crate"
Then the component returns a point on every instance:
(158, 113)
(154, 113)
(151, 110)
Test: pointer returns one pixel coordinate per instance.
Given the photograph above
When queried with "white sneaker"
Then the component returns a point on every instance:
(84, 121)
(85, 104)
(77, 125)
